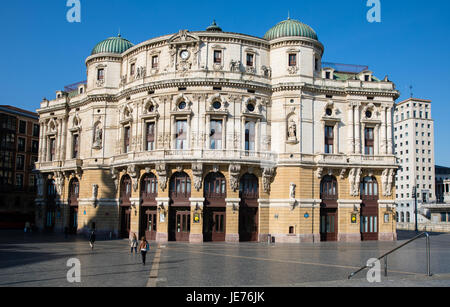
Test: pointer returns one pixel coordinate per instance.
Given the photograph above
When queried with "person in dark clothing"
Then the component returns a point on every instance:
(92, 239)
(144, 247)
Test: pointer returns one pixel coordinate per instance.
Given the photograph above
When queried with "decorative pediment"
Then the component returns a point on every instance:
(183, 37)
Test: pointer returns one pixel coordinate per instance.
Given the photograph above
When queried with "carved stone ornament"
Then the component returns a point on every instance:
(59, 182)
(161, 170)
(234, 170)
(292, 131)
(197, 171)
(95, 191)
(319, 172)
(292, 188)
(292, 70)
(115, 177)
(354, 180)
(235, 66)
(267, 178)
(98, 136)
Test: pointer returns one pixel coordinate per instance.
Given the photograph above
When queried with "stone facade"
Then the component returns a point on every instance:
(216, 105)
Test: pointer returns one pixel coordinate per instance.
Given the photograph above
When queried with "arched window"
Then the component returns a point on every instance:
(249, 187)
(180, 186)
(328, 188)
(215, 186)
(149, 187)
(51, 189)
(408, 217)
(125, 188)
(369, 188)
(403, 217)
(74, 191)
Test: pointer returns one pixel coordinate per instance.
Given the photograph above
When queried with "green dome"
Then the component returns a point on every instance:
(112, 45)
(291, 27)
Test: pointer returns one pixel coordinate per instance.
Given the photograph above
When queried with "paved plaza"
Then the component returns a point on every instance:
(34, 260)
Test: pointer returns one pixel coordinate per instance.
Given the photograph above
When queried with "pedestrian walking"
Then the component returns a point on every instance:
(27, 227)
(144, 247)
(134, 243)
(92, 239)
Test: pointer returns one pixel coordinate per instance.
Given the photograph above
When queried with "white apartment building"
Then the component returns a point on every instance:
(414, 147)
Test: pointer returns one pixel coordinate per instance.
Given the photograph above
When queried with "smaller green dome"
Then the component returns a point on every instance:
(214, 27)
(290, 27)
(112, 45)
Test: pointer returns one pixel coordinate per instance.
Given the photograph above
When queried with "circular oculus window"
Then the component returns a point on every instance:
(182, 105)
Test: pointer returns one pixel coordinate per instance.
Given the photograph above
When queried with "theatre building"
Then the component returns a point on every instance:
(219, 136)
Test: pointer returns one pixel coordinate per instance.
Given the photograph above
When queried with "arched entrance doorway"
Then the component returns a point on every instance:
(248, 208)
(125, 206)
(179, 207)
(149, 193)
(214, 210)
(369, 209)
(329, 209)
(74, 193)
(50, 213)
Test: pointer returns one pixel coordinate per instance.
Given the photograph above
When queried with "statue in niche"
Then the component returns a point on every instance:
(98, 137)
(292, 131)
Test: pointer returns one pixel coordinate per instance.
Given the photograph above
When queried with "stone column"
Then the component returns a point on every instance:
(232, 220)
(357, 130)
(135, 216)
(389, 131)
(162, 234)
(351, 130)
(383, 146)
(196, 234)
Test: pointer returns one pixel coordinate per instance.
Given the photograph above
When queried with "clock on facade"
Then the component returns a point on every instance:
(184, 54)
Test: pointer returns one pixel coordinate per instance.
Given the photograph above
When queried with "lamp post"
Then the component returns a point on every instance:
(415, 208)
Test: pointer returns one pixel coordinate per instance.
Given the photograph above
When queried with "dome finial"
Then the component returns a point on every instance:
(289, 15)
(119, 35)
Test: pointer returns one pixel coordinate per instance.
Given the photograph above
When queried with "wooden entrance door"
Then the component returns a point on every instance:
(73, 222)
(369, 223)
(182, 226)
(218, 231)
(149, 223)
(248, 224)
(369, 209)
(328, 225)
(125, 222)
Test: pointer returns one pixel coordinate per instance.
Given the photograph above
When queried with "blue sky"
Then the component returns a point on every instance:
(41, 52)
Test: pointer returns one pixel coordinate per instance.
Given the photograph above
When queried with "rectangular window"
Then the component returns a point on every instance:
(52, 149)
(150, 136)
(217, 57)
(34, 146)
(216, 134)
(19, 180)
(22, 127)
(75, 146)
(181, 135)
(100, 74)
(155, 61)
(126, 139)
(250, 131)
(36, 131)
(20, 162)
(20, 144)
(292, 59)
(369, 141)
(250, 60)
(327, 75)
(329, 139)
(132, 69)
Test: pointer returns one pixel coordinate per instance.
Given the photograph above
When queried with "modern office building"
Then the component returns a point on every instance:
(219, 136)
(19, 147)
(414, 147)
